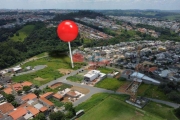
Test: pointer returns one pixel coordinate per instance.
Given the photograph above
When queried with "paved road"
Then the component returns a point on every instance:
(174, 105)
(36, 68)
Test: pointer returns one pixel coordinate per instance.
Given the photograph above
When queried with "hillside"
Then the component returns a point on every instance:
(21, 34)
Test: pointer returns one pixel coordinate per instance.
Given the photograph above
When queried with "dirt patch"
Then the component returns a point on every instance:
(79, 89)
(123, 87)
(159, 105)
(65, 99)
(56, 85)
(65, 71)
(39, 79)
(138, 113)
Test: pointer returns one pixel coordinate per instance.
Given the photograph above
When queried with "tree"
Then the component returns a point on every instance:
(10, 97)
(37, 92)
(177, 112)
(69, 107)
(15, 104)
(40, 116)
(19, 92)
(56, 116)
(26, 88)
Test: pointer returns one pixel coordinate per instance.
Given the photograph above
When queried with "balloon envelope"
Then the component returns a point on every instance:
(67, 31)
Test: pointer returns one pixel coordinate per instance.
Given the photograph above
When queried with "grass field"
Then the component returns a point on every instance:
(151, 91)
(75, 78)
(105, 70)
(110, 84)
(112, 107)
(23, 33)
(47, 74)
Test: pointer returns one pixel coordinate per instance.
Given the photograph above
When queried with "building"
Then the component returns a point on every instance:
(46, 103)
(30, 96)
(18, 113)
(91, 75)
(144, 78)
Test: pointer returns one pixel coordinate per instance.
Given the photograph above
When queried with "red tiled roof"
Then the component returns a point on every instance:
(152, 69)
(46, 94)
(58, 96)
(17, 87)
(33, 110)
(6, 107)
(29, 96)
(19, 112)
(26, 83)
(46, 101)
(43, 109)
(8, 90)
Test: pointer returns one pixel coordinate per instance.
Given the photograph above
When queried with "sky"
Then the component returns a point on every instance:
(91, 4)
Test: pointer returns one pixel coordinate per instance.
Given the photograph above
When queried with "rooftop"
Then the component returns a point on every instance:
(29, 96)
(26, 83)
(8, 90)
(33, 110)
(46, 101)
(58, 96)
(46, 94)
(6, 107)
(19, 112)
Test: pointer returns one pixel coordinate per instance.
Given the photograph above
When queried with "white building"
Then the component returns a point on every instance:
(91, 75)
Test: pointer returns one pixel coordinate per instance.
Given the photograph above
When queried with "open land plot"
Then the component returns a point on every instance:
(151, 91)
(75, 78)
(49, 73)
(105, 70)
(81, 90)
(112, 107)
(110, 84)
(123, 87)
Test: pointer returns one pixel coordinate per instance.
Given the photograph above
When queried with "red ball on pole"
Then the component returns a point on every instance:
(67, 31)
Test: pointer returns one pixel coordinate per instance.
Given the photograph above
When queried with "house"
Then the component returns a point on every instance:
(6, 108)
(18, 113)
(47, 95)
(26, 83)
(91, 75)
(144, 78)
(58, 96)
(46, 103)
(34, 111)
(40, 107)
(30, 96)
(17, 86)
(8, 90)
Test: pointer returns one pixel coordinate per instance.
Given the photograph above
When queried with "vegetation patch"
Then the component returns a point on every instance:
(105, 70)
(75, 78)
(21, 34)
(56, 102)
(110, 84)
(47, 74)
(111, 107)
(151, 91)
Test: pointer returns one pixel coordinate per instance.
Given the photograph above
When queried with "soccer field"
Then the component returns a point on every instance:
(114, 108)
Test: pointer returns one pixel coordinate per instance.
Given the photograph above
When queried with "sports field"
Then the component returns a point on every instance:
(113, 107)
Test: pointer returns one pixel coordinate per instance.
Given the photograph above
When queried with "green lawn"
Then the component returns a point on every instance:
(56, 102)
(75, 78)
(23, 33)
(151, 91)
(112, 107)
(105, 70)
(110, 84)
(47, 74)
